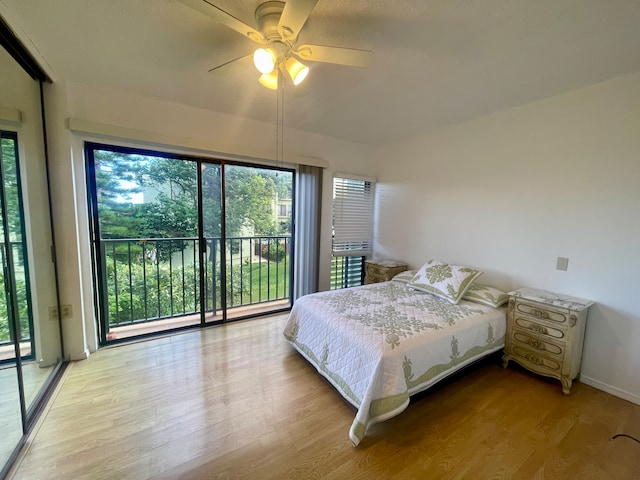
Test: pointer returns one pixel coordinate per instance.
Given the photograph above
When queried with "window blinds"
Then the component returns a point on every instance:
(352, 216)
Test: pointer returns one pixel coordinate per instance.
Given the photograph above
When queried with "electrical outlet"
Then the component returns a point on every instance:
(66, 311)
(562, 264)
(53, 313)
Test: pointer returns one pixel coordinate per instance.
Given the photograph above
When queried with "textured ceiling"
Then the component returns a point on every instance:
(436, 62)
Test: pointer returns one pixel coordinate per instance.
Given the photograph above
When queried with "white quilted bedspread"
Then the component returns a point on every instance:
(378, 344)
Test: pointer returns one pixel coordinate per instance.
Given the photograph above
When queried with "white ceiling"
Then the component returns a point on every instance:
(437, 62)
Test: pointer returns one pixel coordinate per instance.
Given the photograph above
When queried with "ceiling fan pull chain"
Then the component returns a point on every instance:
(280, 122)
(282, 125)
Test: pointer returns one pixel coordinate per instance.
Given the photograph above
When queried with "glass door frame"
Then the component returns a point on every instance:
(99, 290)
(28, 78)
(8, 254)
(11, 296)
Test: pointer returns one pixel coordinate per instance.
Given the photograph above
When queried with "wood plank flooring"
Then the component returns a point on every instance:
(237, 402)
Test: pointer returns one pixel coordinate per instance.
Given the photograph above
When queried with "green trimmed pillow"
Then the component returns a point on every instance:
(405, 276)
(486, 295)
(449, 282)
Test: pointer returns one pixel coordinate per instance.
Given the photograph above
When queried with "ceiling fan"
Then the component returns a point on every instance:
(278, 28)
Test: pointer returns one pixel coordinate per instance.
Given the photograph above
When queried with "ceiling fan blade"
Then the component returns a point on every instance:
(294, 16)
(228, 67)
(342, 56)
(220, 16)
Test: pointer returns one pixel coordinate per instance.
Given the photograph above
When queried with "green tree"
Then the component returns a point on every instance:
(283, 183)
(118, 178)
(212, 200)
(250, 201)
(170, 207)
(10, 184)
(174, 211)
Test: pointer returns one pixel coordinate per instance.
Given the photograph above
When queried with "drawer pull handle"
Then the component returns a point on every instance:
(536, 344)
(533, 359)
(538, 328)
(540, 314)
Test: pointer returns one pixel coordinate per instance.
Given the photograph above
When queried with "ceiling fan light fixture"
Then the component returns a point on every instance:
(297, 71)
(264, 59)
(270, 80)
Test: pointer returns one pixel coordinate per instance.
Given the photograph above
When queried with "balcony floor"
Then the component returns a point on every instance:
(157, 326)
(8, 351)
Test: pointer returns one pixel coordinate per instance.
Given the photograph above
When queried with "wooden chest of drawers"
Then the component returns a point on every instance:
(545, 333)
(382, 270)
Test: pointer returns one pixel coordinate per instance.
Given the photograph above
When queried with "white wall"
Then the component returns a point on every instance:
(506, 193)
(124, 118)
(510, 192)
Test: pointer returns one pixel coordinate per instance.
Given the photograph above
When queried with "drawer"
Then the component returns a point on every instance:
(541, 313)
(385, 271)
(374, 278)
(537, 343)
(534, 358)
(536, 327)
(373, 269)
(376, 272)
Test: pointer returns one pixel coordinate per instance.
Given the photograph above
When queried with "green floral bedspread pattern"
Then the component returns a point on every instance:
(378, 344)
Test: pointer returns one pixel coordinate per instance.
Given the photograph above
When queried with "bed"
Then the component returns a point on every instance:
(379, 344)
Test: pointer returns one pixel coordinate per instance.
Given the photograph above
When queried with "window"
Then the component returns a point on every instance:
(352, 229)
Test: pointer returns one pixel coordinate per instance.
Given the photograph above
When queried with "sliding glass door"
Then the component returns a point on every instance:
(15, 301)
(145, 229)
(258, 219)
(31, 350)
(180, 242)
(13, 331)
(212, 232)
(29, 342)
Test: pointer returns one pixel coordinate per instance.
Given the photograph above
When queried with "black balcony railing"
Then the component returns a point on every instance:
(148, 279)
(7, 333)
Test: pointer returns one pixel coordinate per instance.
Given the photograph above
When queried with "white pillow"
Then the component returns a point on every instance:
(486, 295)
(405, 276)
(449, 282)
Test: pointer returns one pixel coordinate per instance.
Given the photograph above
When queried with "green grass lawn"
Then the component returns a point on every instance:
(269, 281)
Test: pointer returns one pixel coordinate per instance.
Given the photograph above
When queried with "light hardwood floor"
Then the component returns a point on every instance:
(237, 402)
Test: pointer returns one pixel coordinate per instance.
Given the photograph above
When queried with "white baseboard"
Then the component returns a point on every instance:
(80, 356)
(618, 392)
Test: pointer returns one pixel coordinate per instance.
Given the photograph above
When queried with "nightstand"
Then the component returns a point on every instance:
(545, 333)
(382, 270)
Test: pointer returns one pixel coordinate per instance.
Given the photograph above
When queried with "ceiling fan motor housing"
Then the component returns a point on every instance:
(268, 16)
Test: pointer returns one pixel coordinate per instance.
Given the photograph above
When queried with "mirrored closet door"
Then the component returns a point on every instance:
(30, 339)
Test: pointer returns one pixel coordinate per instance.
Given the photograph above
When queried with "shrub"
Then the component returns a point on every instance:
(157, 291)
(274, 251)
